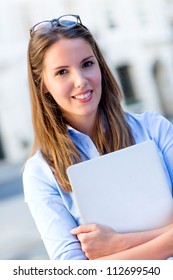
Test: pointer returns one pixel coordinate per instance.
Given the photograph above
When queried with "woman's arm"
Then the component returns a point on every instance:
(99, 241)
(160, 248)
(49, 211)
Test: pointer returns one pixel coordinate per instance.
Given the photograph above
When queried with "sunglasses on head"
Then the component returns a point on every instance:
(66, 21)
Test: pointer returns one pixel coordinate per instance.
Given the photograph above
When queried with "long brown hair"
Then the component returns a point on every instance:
(51, 135)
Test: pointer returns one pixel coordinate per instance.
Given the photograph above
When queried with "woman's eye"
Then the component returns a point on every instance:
(88, 63)
(61, 72)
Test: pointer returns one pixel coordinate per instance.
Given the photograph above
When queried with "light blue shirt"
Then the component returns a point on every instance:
(54, 210)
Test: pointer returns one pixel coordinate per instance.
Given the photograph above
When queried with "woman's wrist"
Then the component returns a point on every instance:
(125, 241)
(169, 242)
(121, 242)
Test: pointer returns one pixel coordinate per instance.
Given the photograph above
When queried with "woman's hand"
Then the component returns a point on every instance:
(98, 240)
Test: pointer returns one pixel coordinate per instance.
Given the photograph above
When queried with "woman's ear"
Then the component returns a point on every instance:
(45, 90)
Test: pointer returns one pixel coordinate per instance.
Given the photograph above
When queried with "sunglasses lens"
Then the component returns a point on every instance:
(43, 26)
(68, 21)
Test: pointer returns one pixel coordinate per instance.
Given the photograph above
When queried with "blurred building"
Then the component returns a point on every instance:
(135, 36)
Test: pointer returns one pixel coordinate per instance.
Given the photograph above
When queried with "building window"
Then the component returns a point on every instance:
(110, 20)
(123, 73)
(1, 150)
(162, 82)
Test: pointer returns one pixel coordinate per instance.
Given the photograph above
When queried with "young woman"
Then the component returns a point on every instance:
(77, 115)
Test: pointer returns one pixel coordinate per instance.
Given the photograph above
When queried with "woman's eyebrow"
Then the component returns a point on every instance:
(66, 66)
(60, 67)
(91, 56)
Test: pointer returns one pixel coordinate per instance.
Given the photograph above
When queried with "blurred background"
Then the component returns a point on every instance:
(136, 37)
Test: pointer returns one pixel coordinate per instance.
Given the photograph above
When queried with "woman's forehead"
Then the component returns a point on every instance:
(68, 49)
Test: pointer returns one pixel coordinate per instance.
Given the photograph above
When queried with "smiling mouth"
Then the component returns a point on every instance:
(83, 96)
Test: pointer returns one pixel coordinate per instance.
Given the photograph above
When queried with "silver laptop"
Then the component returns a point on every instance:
(128, 190)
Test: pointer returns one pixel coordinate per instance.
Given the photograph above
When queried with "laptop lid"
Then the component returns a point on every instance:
(126, 189)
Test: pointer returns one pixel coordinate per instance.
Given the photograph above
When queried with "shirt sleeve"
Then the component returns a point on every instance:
(50, 214)
(163, 130)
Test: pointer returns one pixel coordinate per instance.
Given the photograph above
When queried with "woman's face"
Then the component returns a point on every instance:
(72, 75)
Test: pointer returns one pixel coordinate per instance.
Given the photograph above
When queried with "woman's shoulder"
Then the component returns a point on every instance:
(36, 159)
(144, 116)
(36, 166)
(38, 178)
(149, 125)
(149, 119)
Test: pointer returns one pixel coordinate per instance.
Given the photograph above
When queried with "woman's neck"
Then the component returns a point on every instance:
(84, 124)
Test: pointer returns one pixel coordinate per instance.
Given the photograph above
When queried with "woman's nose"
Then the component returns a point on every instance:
(80, 80)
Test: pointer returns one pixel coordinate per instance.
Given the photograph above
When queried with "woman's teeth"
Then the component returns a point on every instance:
(83, 96)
